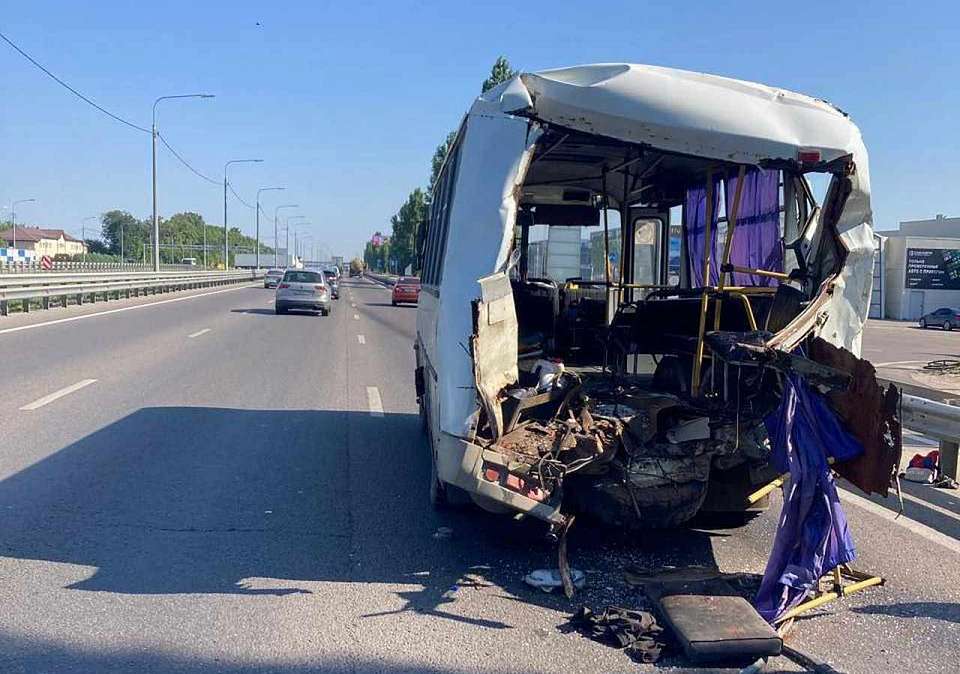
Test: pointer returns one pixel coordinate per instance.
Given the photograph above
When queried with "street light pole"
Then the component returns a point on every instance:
(287, 228)
(276, 234)
(13, 216)
(226, 233)
(263, 189)
(153, 139)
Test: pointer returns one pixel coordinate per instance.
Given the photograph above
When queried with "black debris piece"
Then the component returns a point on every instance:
(636, 632)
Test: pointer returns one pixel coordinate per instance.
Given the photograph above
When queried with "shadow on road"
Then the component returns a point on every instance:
(202, 500)
(939, 610)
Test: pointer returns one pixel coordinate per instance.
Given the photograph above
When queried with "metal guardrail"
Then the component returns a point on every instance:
(52, 288)
(56, 266)
(935, 420)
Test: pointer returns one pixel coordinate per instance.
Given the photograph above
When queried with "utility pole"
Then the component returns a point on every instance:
(276, 234)
(153, 143)
(264, 189)
(13, 216)
(226, 233)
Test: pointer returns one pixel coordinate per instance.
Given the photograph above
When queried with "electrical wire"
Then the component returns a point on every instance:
(185, 162)
(69, 88)
(239, 198)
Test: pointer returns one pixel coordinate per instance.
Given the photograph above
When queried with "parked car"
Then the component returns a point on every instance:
(944, 317)
(333, 280)
(272, 278)
(302, 289)
(407, 290)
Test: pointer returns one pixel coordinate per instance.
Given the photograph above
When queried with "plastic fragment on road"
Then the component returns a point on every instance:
(549, 580)
(442, 533)
(812, 537)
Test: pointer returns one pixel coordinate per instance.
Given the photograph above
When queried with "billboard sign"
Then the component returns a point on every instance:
(933, 269)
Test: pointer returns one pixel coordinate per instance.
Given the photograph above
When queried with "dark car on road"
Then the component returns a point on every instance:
(945, 318)
(333, 280)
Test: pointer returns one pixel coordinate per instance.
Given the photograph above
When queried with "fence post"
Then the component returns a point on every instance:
(949, 452)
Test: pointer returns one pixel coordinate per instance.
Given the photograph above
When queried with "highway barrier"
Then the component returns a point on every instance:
(936, 420)
(51, 288)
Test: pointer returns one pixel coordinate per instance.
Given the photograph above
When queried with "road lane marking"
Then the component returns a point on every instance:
(373, 401)
(361, 339)
(356, 317)
(199, 332)
(119, 310)
(353, 304)
(913, 526)
(46, 400)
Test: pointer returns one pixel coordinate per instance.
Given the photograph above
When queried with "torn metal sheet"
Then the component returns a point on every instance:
(494, 346)
(870, 413)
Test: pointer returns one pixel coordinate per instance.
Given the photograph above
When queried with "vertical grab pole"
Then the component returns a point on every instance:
(704, 298)
(731, 223)
(606, 230)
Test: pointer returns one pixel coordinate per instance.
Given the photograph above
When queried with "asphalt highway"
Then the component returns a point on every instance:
(200, 485)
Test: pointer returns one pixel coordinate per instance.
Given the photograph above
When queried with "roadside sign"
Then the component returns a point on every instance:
(46, 262)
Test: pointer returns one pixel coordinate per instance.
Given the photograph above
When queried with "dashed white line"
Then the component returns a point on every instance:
(47, 399)
(373, 401)
(121, 309)
(199, 332)
(356, 317)
(361, 339)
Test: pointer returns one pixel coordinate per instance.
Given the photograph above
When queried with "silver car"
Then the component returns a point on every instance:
(272, 278)
(303, 289)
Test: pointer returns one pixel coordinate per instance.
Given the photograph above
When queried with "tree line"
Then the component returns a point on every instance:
(181, 235)
(398, 250)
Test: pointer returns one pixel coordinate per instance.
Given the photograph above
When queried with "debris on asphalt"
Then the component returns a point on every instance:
(636, 632)
(549, 580)
(442, 533)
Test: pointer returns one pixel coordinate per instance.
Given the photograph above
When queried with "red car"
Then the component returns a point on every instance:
(407, 289)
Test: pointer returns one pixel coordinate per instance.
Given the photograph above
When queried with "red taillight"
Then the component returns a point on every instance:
(322, 289)
(284, 285)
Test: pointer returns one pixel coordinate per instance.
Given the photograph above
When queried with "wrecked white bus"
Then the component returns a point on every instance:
(621, 362)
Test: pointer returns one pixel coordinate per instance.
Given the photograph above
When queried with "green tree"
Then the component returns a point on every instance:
(406, 223)
(499, 73)
(135, 233)
(439, 155)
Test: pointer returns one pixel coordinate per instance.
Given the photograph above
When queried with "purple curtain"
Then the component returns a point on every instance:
(694, 232)
(756, 239)
(812, 536)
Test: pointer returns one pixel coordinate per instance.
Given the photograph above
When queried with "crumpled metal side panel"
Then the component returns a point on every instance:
(494, 345)
(493, 162)
(870, 414)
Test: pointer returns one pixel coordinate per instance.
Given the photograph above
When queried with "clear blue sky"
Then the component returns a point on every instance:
(346, 101)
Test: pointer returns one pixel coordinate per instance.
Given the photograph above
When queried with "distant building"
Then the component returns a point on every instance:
(44, 241)
(921, 267)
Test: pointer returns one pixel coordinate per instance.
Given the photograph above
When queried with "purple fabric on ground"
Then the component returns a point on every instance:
(756, 237)
(694, 232)
(812, 536)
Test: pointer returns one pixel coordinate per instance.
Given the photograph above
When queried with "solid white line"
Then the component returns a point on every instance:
(913, 526)
(46, 400)
(199, 332)
(361, 339)
(356, 317)
(374, 402)
(121, 309)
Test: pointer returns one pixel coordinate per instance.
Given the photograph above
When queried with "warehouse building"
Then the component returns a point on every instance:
(921, 267)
